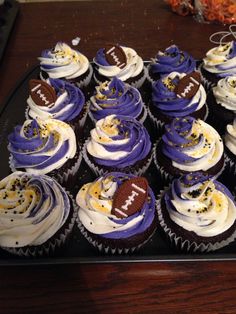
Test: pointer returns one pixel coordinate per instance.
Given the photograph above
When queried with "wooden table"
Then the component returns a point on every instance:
(167, 287)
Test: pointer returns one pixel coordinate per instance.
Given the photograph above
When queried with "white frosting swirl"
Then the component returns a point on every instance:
(32, 209)
(230, 137)
(219, 60)
(225, 93)
(134, 66)
(63, 62)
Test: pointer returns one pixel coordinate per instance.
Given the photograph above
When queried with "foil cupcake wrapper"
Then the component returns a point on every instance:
(100, 171)
(185, 244)
(51, 245)
(107, 249)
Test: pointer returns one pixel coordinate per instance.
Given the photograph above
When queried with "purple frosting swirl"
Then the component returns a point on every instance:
(116, 97)
(167, 102)
(173, 60)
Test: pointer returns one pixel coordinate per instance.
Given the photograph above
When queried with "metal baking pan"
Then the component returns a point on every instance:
(78, 250)
(8, 13)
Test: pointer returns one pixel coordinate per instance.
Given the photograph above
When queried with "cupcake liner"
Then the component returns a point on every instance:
(179, 242)
(207, 84)
(141, 120)
(158, 125)
(85, 82)
(151, 80)
(98, 170)
(108, 249)
(51, 245)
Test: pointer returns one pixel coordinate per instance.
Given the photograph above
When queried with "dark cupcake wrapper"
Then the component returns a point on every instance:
(56, 242)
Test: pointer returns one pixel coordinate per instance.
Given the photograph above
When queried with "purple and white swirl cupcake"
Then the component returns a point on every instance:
(189, 145)
(171, 60)
(177, 95)
(117, 97)
(37, 214)
(197, 213)
(57, 99)
(219, 62)
(122, 62)
(44, 147)
(63, 62)
(117, 212)
(118, 143)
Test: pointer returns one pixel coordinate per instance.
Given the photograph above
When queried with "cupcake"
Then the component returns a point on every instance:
(189, 145)
(37, 214)
(57, 99)
(44, 147)
(171, 60)
(117, 212)
(63, 62)
(117, 97)
(177, 95)
(219, 62)
(122, 62)
(222, 103)
(197, 213)
(230, 146)
(118, 143)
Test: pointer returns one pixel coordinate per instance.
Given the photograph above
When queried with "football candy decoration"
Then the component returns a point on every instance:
(42, 93)
(115, 56)
(188, 85)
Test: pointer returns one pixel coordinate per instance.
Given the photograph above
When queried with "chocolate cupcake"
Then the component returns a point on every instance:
(45, 147)
(57, 99)
(171, 60)
(63, 62)
(177, 95)
(122, 62)
(189, 145)
(219, 62)
(117, 212)
(118, 143)
(117, 97)
(197, 213)
(230, 147)
(37, 214)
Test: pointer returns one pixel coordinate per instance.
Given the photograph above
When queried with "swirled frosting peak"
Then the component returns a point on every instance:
(173, 60)
(32, 209)
(116, 97)
(230, 137)
(133, 64)
(221, 60)
(68, 103)
(96, 200)
(166, 100)
(118, 141)
(191, 144)
(225, 93)
(201, 205)
(39, 146)
(63, 62)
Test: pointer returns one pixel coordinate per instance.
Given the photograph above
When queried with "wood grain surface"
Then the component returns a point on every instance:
(193, 287)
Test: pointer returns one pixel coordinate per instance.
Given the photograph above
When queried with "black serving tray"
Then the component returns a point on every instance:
(8, 13)
(78, 250)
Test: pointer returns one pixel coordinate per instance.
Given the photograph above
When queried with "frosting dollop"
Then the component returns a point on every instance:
(169, 103)
(95, 202)
(172, 60)
(191, 144)
(225, 93)
(221, 60)
(40, 147)
(118, 141)
(134, 64)
(63, 62)
(116, 97)
(32, 209)
(68, 105)
(230, 137)
(200, 204)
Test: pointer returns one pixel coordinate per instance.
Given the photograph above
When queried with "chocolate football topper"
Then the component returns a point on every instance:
(115, 56)
(130, 197)
(188, 85)
(42, 93)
